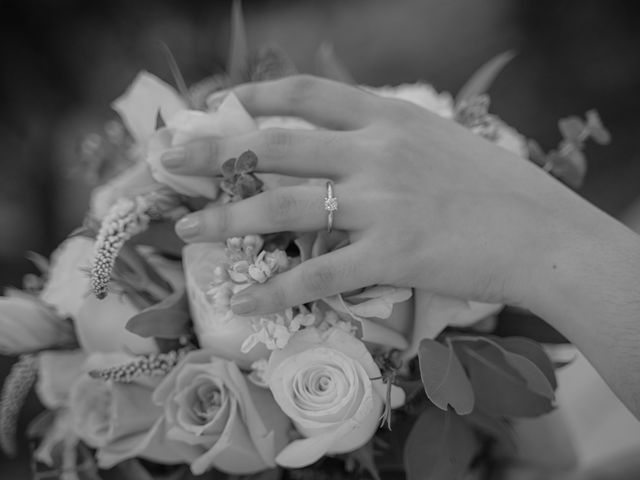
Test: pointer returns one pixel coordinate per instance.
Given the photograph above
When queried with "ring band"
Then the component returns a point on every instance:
(330, 205)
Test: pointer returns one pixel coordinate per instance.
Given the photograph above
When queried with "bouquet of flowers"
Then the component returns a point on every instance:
(131, 344)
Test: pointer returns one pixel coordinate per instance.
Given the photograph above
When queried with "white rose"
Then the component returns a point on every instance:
(421, 94)
(68, 284)
(322, 381)
(100, 324)
(229, 119)
(215, 325)
(57, 372)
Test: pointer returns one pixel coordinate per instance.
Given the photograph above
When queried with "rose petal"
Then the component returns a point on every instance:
(57, 372)
(306, 451)
(27, 326)
(68, 283)
(139, 105)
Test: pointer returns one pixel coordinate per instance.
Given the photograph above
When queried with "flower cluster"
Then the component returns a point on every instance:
(165, 371)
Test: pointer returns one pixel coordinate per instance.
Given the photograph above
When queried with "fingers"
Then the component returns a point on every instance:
(342, 270)
(300, 153)
(323, 102)
(299, 208)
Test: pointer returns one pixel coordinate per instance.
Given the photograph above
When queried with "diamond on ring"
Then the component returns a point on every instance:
(330, 205)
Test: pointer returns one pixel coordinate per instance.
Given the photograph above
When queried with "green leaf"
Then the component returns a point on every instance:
(168, 319)
(246, 163)
(496, 428)
(570, 166)
(41, 262)
(572, 129)
(441, 446)
(534, 377)
(498, 387)
(239, 55)
(181, 85)
(443, 377)
(328, 65)
(597, 131)
(271, 63)
(533, 351)
(482, 79)
(364, 456)
(228, 168)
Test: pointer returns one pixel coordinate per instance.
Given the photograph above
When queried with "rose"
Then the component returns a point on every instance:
(68, 282)
(421, 94)
(215, 325)
(218, 419)
(118, 419)
(58, 370)
(27, 326)
(329, 385)
(100, 324)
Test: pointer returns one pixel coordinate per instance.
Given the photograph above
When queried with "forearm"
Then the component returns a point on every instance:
(587, 285)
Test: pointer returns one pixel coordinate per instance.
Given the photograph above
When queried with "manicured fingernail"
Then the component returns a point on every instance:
(243, 304)
(188, 226)
(173, 158)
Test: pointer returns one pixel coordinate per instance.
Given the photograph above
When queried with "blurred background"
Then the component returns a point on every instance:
(63, 62)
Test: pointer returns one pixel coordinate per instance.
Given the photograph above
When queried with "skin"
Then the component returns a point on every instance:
(427, 205)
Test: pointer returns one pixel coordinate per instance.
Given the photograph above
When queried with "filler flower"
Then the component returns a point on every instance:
(219, 419)
(330, 386)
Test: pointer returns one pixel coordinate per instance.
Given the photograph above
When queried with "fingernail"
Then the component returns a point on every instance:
(243, 304)
(188, 226)
(173, 158)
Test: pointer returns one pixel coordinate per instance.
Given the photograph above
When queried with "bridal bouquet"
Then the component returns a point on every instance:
(143, 368)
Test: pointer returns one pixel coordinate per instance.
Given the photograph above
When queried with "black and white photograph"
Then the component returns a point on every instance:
(319, 240)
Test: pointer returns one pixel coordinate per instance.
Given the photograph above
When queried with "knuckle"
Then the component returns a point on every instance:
(301, 87)
(276, 141)
(281, 208)
(278, 297)
(222, 221)
(318, 280)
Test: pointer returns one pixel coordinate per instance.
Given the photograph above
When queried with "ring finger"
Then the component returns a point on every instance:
(300, 208)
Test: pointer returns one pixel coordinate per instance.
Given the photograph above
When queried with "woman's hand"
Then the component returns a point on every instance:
(426, 203)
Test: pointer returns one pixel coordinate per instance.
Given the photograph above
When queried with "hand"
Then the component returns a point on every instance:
(425, 203)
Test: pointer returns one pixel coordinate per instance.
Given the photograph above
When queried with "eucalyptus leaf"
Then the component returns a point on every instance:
(597, 131)
(572, 129)
(534, 377)
(441, 446)
(168, 319)
(498, 388)
(534, 352)
(271, 63)
(482, 79)
(445, 381)
(497, 429)
(246, 163)
(228, 168)
(239, 54)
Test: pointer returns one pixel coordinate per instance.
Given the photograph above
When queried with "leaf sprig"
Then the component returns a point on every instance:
(567, 161)
(238, 180)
